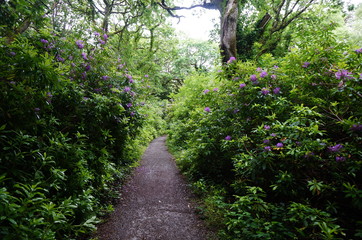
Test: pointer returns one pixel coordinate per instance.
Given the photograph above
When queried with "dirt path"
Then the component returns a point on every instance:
(155, 203)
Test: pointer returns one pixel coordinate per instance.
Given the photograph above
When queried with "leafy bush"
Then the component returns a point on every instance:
(290, 130)
(70, 129)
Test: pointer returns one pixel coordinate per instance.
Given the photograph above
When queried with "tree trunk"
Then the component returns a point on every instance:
(229, 11)
(228, 27)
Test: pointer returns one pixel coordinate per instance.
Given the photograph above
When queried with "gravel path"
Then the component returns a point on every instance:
(155, 203)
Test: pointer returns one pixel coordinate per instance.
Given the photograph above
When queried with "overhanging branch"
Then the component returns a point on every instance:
(170, 10)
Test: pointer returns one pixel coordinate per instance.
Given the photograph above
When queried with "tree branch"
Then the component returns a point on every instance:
(285, 22)
(207, 5)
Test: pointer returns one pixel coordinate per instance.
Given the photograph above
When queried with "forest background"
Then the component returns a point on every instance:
(268, 129)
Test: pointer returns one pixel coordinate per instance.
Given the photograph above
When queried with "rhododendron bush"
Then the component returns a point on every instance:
(72, 124)
(276, 149)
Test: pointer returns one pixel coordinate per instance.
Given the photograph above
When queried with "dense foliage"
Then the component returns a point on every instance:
(274, 145)
(275, 26)
(75, 116)
(70, 123)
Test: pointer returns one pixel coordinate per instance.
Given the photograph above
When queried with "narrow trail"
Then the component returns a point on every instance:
(155, 203)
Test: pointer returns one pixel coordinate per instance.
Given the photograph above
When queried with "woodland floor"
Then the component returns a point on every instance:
(155, 204)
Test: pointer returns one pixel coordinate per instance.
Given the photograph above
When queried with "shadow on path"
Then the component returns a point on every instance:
(155, 203)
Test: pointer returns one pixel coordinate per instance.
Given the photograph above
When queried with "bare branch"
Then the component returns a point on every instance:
(207, 5)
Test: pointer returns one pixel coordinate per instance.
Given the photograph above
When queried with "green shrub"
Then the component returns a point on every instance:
(288, 128)
(70, 129)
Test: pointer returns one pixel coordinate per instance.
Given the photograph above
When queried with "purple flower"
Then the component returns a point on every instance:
(335, 148)
(273, 76)
(236, 111)
(242, 85)
(216, 89)
(265, 91)
(343, 74)
(60, 59)
(358, 50)
(276, 90)
(267, 148)
(49, 95)
(207, 109)
(263, 74)
(96, 34)
(50, 46)
(84, 75)
(146, 76)
(273, 134)
(132, 114)
(356, 127)
(306, 64)
(131, 81)
(266, 141)
(98, 89)
(259, 69)
(79, 44)
(228, 138)
(36, 109)
(44, 41)
(266, 127)
(12, 83)
(206, 91)
(253, 78)
(340, 159)
(12, 53)
(84, 56)
(87, 68)
(105, 77)
(279, 145)
(276, 67)
(105, 37)
(231, 59)
(128, 105)
(127, 89)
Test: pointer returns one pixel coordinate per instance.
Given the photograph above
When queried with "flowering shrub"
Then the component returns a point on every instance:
(283, 137)
(70, 127)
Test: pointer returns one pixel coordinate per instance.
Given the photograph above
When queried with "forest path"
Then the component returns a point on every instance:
(155, 203)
